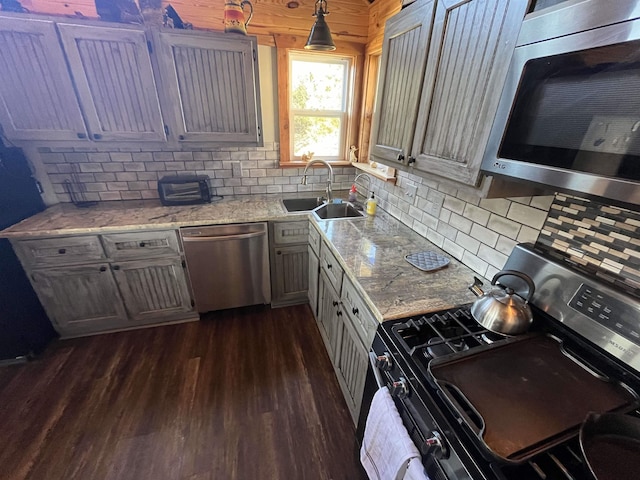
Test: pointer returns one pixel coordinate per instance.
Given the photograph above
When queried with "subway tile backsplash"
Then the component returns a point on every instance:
(132, 174)
(479, 232)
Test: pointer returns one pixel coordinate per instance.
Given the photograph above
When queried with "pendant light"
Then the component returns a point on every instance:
(320, 36)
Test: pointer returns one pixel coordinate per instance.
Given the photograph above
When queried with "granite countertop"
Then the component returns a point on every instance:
(371, 249)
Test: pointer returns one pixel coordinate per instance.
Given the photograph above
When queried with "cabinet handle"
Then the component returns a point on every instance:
(329, 266)
(82, 135)
(181, 137)
(142, 244)
(279, 252)
(400, 157)
(411, 161)
(103, 269)
(116, 267)
(339, 313)
(97, 136)
(335, 304)
(355, 310)
(62, 251)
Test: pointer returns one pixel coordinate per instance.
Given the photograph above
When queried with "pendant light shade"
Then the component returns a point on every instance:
(320, 35)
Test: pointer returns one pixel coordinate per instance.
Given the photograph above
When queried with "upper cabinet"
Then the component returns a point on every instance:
(404, 54)
(93, 81)
(211, 86)
(37, 99)
(111, 68)
(469, 49)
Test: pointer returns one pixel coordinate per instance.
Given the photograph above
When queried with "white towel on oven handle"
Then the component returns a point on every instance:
(386, 446)
(415, 470)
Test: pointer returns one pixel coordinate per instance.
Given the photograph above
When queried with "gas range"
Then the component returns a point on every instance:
(461, 389)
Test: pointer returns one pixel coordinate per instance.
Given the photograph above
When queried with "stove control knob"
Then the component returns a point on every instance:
(384, 362)
(436, 446)
(399, 388)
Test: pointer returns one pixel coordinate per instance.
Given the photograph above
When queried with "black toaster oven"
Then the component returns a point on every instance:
(184, 190)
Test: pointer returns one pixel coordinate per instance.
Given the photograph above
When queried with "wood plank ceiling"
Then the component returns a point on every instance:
(347, 19)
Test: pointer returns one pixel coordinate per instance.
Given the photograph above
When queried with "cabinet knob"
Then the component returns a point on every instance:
(103, 269)
(279, 252)
(339, 313)
(181, 137)
(400, 157)
(329, 266)
(142, 244)
(62, 251)
(116, 267)
(355, 310)
(411, 161)
(97, 136)
(335, 304)
(82, 135)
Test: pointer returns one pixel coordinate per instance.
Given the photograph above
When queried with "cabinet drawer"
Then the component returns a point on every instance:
(330, 266)
(288, 233)
(364, 321)
(314, 238)
(123, 246)
(46, 252)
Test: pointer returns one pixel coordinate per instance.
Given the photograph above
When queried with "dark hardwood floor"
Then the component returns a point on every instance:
(243, 394)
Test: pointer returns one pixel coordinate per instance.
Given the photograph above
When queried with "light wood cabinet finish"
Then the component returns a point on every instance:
(471, 47)
(404, 54)
(123, 246)
(314, 272)
(43, 252)
(351, 365)
(80, 299)
(211, 86)
(153, 289)
(111, 68)
(289, 262)
(38, 101)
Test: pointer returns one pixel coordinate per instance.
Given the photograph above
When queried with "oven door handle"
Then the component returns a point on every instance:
(376, 372)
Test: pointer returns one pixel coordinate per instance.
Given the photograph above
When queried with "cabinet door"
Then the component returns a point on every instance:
(211, 83)
(471, 47)
(314, 271)
(37, 100)
(351, 366)
(290, 275)
(329, 313)
(112, 71)
(153, 290)
(80, 299)
(404, 53)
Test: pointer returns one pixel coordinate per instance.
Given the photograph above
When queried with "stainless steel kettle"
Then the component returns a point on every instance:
(501, 310)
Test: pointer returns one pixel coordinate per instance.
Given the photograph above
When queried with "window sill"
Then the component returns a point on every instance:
(304, 164)
(376, 173)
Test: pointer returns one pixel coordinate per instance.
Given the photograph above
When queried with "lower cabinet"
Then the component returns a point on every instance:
(314, 272)
(345, 324)
(84, 296)
(289, 260)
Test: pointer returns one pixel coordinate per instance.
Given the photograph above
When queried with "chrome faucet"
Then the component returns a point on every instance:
(368, 177)
(329, 180)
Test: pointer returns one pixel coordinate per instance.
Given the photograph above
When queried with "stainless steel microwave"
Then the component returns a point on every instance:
(569, 114)
(184, 190)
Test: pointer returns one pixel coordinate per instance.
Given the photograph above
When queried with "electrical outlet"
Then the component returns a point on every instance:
(410, 190)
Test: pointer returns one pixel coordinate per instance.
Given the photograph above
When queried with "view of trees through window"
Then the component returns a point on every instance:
(318, 105)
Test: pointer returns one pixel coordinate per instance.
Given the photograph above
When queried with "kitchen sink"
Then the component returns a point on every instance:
(301, 204)
(331, 211)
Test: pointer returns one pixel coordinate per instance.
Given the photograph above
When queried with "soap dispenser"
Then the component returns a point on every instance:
(372, 203)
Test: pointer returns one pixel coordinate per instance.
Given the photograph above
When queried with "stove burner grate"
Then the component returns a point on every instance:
(441, 333)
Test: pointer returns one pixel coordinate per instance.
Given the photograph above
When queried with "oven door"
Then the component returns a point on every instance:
(386, 369)
(568, 115)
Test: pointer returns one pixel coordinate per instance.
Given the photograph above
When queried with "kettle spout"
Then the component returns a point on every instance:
(475, 287)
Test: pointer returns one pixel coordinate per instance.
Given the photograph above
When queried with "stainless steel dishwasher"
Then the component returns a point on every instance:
(228, 265)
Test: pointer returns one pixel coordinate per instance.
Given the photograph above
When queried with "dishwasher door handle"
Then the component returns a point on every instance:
(219, 238)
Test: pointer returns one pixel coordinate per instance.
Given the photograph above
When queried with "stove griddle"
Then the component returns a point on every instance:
(528, 394)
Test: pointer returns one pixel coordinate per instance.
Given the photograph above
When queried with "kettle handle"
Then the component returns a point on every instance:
(520, 275)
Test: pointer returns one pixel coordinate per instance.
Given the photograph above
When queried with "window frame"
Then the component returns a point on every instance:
(290, 44)
(345, 112)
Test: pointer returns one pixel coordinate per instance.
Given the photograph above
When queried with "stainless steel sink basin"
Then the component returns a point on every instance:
(330, 211)
(300, 204)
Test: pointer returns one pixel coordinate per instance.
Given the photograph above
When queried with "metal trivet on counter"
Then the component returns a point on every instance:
(427, 260)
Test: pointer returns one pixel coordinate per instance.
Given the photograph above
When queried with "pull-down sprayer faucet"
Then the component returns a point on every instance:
(329, 180)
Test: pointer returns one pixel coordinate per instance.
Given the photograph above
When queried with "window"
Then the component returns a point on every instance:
(319, 101)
